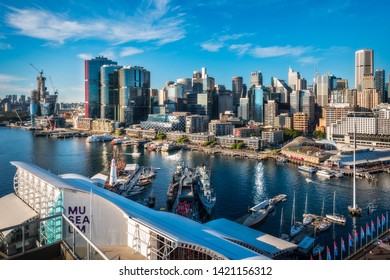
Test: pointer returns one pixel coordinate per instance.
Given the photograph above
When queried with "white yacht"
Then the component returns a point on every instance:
(257, 213)
(324, 174)
(100, 138)
(337, 218)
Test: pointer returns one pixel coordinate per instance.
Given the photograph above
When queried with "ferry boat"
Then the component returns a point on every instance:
(205, 190)
(324, 174)
(118, 141)
(170, 146)
(99, 138)
(257, 213)
(306, 168)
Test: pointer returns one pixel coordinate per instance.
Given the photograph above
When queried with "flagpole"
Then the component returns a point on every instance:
(366, 234)
(377, 230)
(387, 220)
(382, 223)
(361, 239)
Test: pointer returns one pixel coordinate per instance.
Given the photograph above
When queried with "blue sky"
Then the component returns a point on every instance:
(174, 38)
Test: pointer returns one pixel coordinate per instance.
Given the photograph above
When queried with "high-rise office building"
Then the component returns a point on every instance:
(324, 85)
(270, 112)
(380, 84)
(256, 79)
(303, 101)
(279, 86)
(237, 89)
(109, 92)
(134, 94)
(257, 104)
(92, 85)
(293, 79)
(364, 64)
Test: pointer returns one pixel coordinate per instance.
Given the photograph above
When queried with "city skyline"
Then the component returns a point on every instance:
(171, 40)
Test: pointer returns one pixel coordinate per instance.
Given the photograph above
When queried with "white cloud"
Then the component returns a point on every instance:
(275, 51)
(212, 47)
(309, 60)
(5, 46)
(109, 53)
(153, 21)
(240, 49)
(13, 84)
(9, 78)
(128, 51)
(85, 56)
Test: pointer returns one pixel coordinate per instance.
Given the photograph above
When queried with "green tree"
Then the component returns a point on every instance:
(240, 145)
(319, 134)
(290, 134)
(161, 136)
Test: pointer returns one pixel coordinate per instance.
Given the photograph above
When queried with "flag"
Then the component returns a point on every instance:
(361, 233)
(383, 220)
(368, 230)
(356, 236)
(328, 256)
(336, 250)
(378, 221)
(372, 226)
(350, 240)
(342, 245)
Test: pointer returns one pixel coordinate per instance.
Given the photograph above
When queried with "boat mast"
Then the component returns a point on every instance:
(334, 202)
(354, 162)
(306, 204)
(293, 212)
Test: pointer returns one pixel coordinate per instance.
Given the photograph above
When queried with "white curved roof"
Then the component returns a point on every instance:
(174, 226)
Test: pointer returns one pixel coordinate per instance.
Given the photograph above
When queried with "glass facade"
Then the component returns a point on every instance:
(92, 85)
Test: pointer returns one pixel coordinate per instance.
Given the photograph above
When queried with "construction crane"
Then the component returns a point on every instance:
(40, 72)
(18, 115)
(54, 90)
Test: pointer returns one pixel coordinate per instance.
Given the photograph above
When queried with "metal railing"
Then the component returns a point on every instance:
(77, 243)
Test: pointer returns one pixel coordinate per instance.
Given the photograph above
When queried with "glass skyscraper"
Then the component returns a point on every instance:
(92, 85)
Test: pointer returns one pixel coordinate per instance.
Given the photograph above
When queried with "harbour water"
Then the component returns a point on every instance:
(239, 183)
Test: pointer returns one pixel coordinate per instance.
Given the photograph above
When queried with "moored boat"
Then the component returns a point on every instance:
(280, 197)
(205, 190)
(324, 174)
(100, 138)
(308, 169)
(257, 213)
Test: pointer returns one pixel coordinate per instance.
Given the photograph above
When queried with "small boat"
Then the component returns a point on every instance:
(338, 174)
(280, 197)
(118, 141)
(143, 182)
(337, 218)
(318, 249)
(296, 227)
(257, 213)
(307, 169)
(323, 225)
(324, 174)
(308, 180)
(307, 218)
